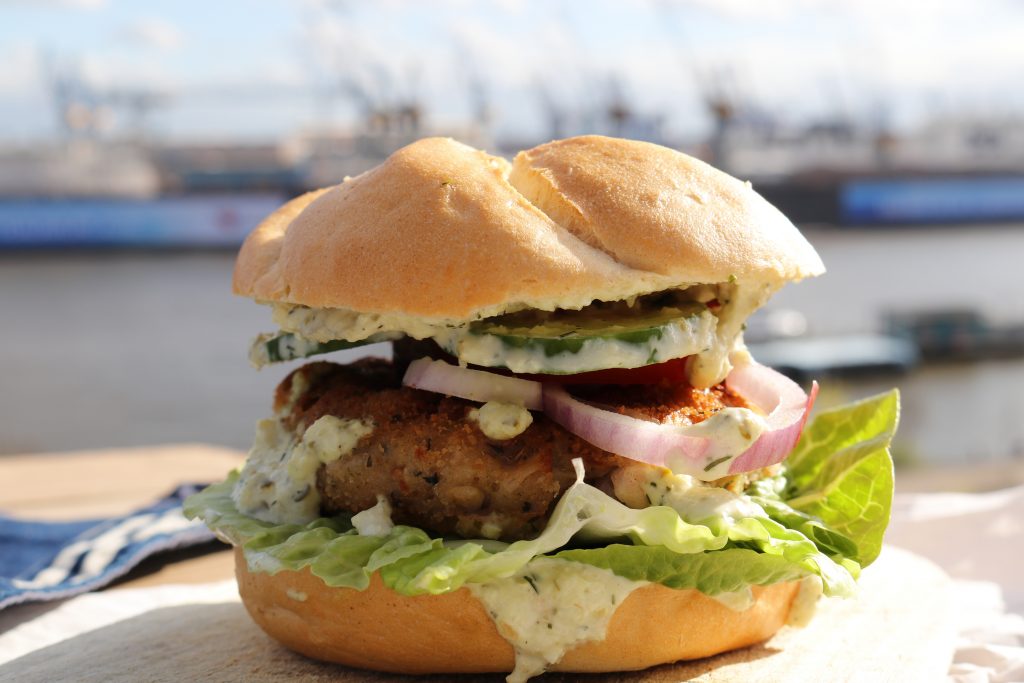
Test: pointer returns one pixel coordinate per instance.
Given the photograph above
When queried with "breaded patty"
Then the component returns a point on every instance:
(435, 466)
(433, 463)
(678, 404)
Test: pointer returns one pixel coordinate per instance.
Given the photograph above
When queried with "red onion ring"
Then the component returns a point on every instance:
(785, 404)
(475, 385)
(687, 449)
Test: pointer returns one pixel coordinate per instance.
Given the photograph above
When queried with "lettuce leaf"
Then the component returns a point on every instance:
(828, 540)
(824, 516)
(412, 563)
(728, 570)
(841, 473)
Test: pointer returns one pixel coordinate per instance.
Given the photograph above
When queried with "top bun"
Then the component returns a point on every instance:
(448, 233)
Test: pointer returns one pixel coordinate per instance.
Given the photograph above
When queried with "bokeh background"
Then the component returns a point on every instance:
(139, 142)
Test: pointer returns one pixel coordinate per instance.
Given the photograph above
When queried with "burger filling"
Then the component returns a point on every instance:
(703, 321)
(361, 473)
(343, 435)
(547, 460)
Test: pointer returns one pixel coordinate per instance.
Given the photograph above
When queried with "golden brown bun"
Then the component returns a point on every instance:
(381, 630)
(655, 209)
(435, 231)
(438, 231)
(259, 259)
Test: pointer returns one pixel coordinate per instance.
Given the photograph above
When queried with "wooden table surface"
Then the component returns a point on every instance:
(101, 483)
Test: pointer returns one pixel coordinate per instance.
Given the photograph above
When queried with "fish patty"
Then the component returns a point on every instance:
(435, 466)
(432, 462)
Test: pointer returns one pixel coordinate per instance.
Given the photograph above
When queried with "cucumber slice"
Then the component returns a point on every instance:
(286, 346)
(568, 342)
(563, 331)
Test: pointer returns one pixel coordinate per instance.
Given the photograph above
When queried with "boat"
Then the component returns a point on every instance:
(957, 335)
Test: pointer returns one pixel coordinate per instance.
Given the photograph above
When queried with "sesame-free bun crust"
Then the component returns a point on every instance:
(380, 630)
(446, 232)
(658, 210)
(435, 231)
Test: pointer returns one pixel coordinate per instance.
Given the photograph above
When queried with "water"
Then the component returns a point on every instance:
(951, 413)
(954, 414)
(871, 272)
(104, 350)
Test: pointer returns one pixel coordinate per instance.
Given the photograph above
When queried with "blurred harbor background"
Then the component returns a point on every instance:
(139, 145)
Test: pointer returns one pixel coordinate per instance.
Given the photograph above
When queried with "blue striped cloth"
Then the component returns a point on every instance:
(51, 560)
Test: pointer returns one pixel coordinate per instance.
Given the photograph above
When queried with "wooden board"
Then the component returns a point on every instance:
(899, 630)
(103, 483)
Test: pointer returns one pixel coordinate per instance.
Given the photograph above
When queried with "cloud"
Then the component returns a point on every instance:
(500, 57)
(800, 58)
(23, 69)
(371, 62)
(796, 59)
(60, 4)
(744, 10)
(105, 71)
(151, 32)
(876, 11)
(511, 6)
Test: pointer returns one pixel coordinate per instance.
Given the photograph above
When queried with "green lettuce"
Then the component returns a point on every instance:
(841, 475)
(823, 516)
(720, 571)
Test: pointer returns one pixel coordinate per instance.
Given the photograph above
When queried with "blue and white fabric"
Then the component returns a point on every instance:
(52, 560)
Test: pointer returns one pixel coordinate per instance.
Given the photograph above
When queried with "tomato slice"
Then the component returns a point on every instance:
(671, 371)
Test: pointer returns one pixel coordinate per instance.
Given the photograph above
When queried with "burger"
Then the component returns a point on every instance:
(570, 460)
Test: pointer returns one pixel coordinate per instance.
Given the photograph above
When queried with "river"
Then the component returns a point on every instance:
(955, 413)
(117, 349)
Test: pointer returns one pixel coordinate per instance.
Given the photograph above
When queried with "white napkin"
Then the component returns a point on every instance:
(979, 540)
(92, 611)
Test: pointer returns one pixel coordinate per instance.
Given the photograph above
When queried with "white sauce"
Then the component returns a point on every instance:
(329, 324)
(738, 601)
(805, 604)
(491, 529)
(298, 386)
(641, 485)
(691, 335)
(730, 432)
(375, 521)
(326, 324)
(278, 481)
(738, 302)
(550, 606)
(297, 596)
(260, 562)
(258, 354)
(501, 421)
(711, 337)
(297, 346)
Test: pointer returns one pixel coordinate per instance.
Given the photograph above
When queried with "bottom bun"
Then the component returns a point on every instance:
(381, 630)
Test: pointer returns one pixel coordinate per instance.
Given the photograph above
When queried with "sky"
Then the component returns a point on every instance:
(261, 69)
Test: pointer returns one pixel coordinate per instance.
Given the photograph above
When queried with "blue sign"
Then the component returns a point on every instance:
(192, 221)
(932, 200)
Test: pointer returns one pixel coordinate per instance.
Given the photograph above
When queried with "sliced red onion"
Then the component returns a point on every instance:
(786, 406)
(475, 385)
(690, 449)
